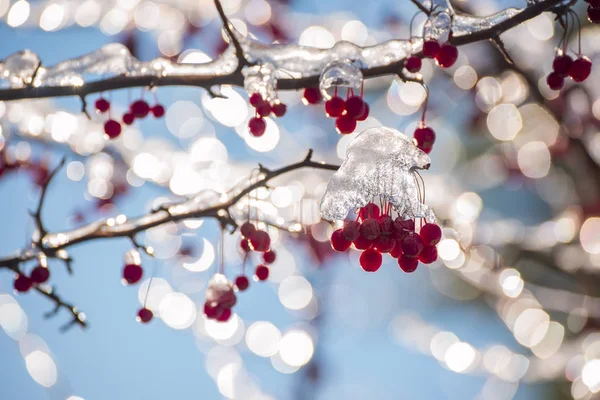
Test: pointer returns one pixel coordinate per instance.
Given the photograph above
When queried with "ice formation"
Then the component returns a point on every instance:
(380, 162)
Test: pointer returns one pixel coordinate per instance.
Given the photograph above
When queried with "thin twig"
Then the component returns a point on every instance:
(37, 215)
(239, 51)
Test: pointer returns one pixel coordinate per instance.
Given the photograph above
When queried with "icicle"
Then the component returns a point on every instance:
(341, 74)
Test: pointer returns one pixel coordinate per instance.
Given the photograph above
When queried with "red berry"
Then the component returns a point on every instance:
(386, 223)
(407, 264)
(430, 48)
(132, 273)
(128, 118)
(140, 108)
(338, 242)
(263, 109)
(371, 210)
(225, 315)
(431, 234)
(212, 310)
(312, 96)
(370, 260)
(260, 240)
(351, 230)
(397, 250)
(40, 274)
(247, 229)
(593, 13)
(279, 109)
(412, 245)
(22, 283)
(412, 64)
(428, 254)
(257, 126)
(145, 315)
(365, 113)
(561, 64)
(269, 257)
(335, 107)
(370, 229)
(355, 107)
(362, 244)
(112, 128)
(385, 244)
(102, 105)
(425, 138)
(256, 100)
(158, 111)
(555, 81)
(580, 69)
(446, 56)
(262, 272)
(242, 283)
(245, 245)
(345, 124)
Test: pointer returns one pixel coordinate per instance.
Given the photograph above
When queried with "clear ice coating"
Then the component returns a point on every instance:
(296, 61)
(261, 79)
(439, 25)
(132, 256)
(380, 162)
(220, 290)
(343, 73)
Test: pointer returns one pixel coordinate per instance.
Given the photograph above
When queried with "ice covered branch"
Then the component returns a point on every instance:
(300, 66)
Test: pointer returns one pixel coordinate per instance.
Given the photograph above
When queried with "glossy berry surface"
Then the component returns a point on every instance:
(140, 108)
(385, 244)
(355, 106)
(242, 282)
(112, 128)
(40, 274)
(425, 138)
(262, 272)
(312, 96)
(260, 240)
(412, 64)
(212, 310)
(132, 273)
(345, 124)
(351, 230)
(362, 244)
(412, 245)
(555, 81)
(158, 111)
(225, 315)
(365, 113)
(428, 255)
(257, 126)
(580, 69)
(431, 234)
(408, 264)
(397, 250)
(338, 242)
(561, 64)
(371, 210)
(247, 229)
(279, 109)
(370, 229)
(335, 107)
(430, 48)
(102, 105)
(22, 283)
(245, 245)
(263, 109)
(446, 56)
(269, 257)
(256, 100)
(128, 118)
(145, 315)
(370, 260)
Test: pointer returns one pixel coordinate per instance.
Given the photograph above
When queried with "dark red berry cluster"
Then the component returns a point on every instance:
(346, 112)
(257, 124)
(564, 66)
(138, 109)
(255, 240)
(445, 55)
(38, 275)
(593, 11)
(377, 233)
(220, 310)
(424, 137)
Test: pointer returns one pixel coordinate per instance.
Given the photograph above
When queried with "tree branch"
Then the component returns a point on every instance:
(239, 51)
(236, 78)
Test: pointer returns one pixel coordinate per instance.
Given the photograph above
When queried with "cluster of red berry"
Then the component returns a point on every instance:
(593, 11)
(132, 274)
(255, 240)
(564, 66)
(257, 124)
(346, 112)
(38, 169)
(377, 233)
(445, 55)
(219, 308)
(23, 283)
(138, 109)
